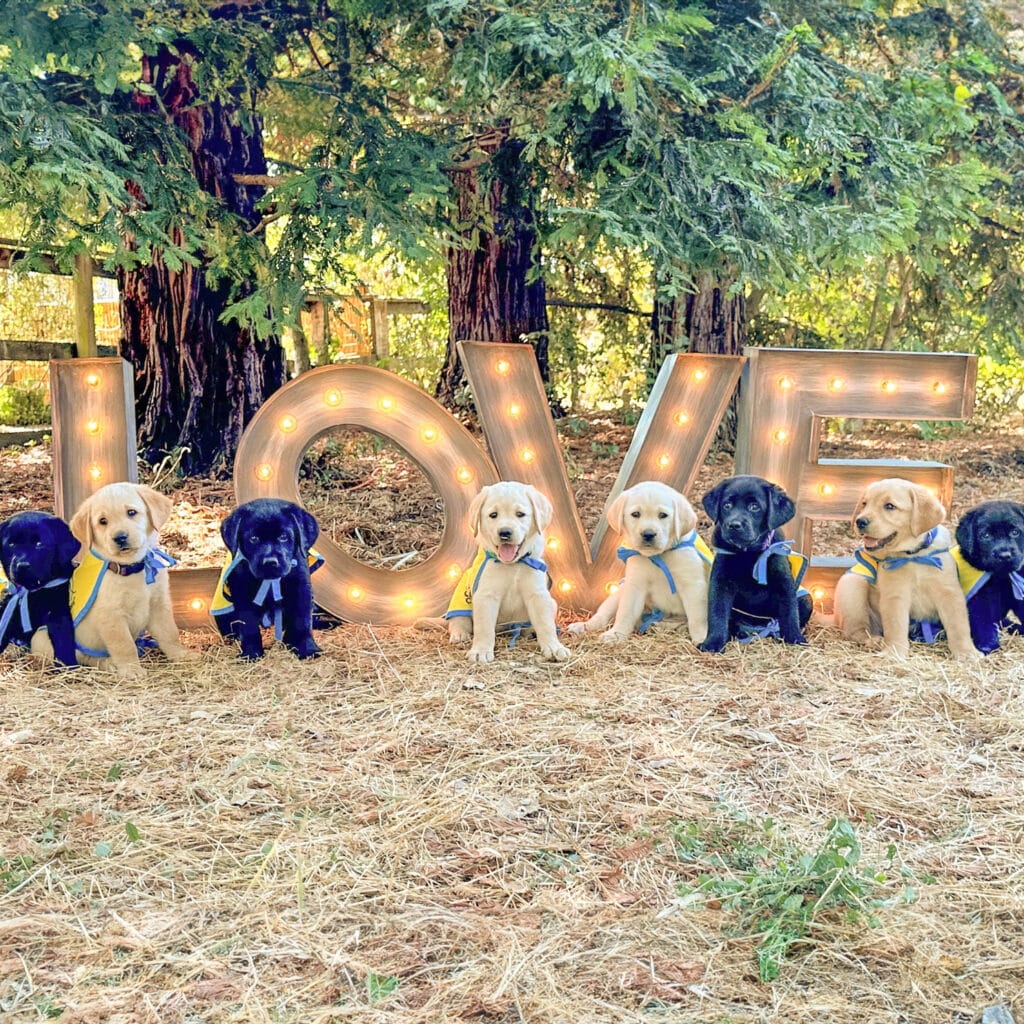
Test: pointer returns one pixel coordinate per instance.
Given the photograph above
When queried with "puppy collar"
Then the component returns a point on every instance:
(153, 561)
(770, 547)
(689, 541)
(527, 559)
(932, 558)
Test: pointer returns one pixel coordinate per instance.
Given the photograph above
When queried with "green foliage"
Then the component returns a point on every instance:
(999, 396)
(24, 404)
(380, 986)
(13, 871)
(781, 895)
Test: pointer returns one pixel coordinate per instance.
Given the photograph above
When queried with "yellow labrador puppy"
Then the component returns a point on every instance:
(120, 589)
(667, 565)
(904, 574)
(508, 582)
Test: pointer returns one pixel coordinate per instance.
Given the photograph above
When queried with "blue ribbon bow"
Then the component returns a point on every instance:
(156, 560)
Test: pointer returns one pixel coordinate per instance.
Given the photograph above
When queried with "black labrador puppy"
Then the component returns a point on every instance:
(266, 581)
(753, 590)
(36, 551)
(990, 562)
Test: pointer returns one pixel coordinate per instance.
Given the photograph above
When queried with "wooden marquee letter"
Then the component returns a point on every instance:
(786, 392)
(669, 444)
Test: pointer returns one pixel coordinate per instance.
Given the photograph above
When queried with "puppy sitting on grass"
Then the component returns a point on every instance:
(667, 565)
(905, 574)
(990, 562)
(266, 579)
(508, 582)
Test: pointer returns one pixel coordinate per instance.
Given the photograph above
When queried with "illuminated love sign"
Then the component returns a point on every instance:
(784, 394)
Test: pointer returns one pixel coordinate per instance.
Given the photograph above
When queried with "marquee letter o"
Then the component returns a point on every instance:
(328, 397)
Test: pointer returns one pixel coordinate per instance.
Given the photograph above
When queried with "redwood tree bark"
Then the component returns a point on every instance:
(489, 295)
(198, 381)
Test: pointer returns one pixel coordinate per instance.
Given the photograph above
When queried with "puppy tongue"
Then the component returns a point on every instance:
(870, 542)
(508, 552)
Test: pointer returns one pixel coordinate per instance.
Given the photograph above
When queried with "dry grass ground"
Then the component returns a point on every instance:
(390, 834)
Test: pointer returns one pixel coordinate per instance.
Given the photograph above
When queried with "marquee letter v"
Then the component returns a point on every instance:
(669, 444)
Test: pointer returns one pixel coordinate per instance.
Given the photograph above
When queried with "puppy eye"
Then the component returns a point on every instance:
(726, 504)
(103, 520)
(520, 515)
(889, 507)
(1015, 532)
(753, 507)
(635, 515)
(492, 515)
(282, 538)
(663, 515)
(132, 513)
(40, 544)
(254, 538)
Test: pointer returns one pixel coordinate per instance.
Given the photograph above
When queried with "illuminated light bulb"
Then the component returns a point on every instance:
(664, 461)
(502, 366)
(264, 471)
(785, 383)
(553, 543)
(92, 426)
(527, 455)
(355, 594)
(889, 387)
(939, 387)
(95, 472)
(408, 603)
(286, 424)
(93, 380)
(429, 434)
(836, 384)
(197, 604)
(611, 588)
(464, 475)
(453, 572)
(564, 586)
(386, 404)
(681, 419)
(818, 593)
(514, 409)
(699, 375)
(826, 490)
(332, 397)
(780, 436)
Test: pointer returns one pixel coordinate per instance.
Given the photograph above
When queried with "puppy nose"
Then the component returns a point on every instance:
(121, 539)
(504, 535)
(863, 523)
(734, 525)
(272, 562)
(648, 535)
(1005, 554)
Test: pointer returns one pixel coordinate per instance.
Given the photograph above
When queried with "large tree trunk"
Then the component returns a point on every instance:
(198, 381)
(489, 295)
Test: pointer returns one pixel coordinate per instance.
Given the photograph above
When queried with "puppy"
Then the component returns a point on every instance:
(36, 551)
(904, 574)
(266, 579)
(667, 565)
(989, 558)
(754, 588)
(508, 581)
(120, 591)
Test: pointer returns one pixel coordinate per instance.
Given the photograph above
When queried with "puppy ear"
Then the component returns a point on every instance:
(965, 532)
(780, 507)
(712, 501)
(158, 506)
(231, 528)
(926, 510)
(307, 526)
(4, 530)
(476, 506)
(81, 525)
(684, 519)
(65, 541)
(542, 508)
(616, 510)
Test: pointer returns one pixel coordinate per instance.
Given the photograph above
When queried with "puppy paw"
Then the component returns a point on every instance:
(459, 632)
(610, 636)
(797, 641)
(183, 654)
(305, 650)
(480, 656)
(712, 645)
(577, 628)
(970, 657)
(129, 671)
(556, 651)
(254, 655)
